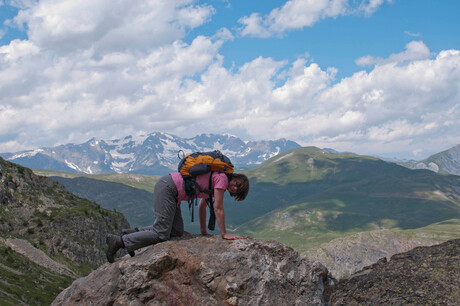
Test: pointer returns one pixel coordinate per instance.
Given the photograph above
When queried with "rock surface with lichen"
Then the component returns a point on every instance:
(198, 270)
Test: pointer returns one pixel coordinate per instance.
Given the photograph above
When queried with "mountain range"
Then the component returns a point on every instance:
(447, 162)
(158, 154)
(154, 154)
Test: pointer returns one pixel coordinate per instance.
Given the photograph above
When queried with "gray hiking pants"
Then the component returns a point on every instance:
(168, 218)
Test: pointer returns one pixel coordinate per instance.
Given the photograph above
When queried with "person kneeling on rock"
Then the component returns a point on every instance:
(169, 192)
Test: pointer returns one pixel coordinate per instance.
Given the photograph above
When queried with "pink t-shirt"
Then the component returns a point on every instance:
(219, 181)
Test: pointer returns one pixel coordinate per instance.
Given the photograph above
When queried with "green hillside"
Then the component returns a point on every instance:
(295, 175)
(139, 181)
(311, 164)
(48, 236)
(26, 282)
(318, 196)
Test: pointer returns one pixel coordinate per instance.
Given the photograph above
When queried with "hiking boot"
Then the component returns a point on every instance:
(127, 231)
(114, 243)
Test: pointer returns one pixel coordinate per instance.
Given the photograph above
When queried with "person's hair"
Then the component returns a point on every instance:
(242, 183)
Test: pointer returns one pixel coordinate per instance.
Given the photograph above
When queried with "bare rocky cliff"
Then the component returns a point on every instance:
(197, 270)
(346, 255)
(422, 276)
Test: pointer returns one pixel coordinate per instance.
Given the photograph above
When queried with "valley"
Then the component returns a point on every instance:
(318, 202)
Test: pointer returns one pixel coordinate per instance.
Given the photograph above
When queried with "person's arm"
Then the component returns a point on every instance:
(202, 216)
(220, 214)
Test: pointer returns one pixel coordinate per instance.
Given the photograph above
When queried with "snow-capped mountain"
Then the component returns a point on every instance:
(155, 153)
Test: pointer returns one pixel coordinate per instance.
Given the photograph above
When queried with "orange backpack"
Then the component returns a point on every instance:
(203, 162)
(200, 163)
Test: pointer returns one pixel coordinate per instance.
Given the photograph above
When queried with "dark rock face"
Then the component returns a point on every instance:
(41, 211)
(48, 236)
(422, 276)
(199, 270)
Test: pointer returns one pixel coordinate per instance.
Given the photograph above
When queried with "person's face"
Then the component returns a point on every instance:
(232, 186)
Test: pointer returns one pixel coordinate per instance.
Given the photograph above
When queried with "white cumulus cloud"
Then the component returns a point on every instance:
(105, 25)
(415, 50)
(110, 77)
(297, 14)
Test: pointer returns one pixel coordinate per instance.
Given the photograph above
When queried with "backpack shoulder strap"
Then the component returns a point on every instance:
(210, 202)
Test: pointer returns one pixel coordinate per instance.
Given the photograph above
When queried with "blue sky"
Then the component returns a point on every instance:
(375, 77)
(338, 42)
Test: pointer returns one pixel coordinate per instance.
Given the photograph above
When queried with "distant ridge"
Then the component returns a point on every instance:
(153, 154)
(447, 162)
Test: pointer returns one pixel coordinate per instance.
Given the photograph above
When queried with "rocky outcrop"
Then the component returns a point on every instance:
(198, 270)
(48, 236)
(422, 276)
(41, 211)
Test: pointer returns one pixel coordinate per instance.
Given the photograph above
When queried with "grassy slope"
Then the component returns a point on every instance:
(344, 194)
(139, 181)
(26, 282)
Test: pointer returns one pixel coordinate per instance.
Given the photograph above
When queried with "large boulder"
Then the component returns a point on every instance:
(198, 270)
